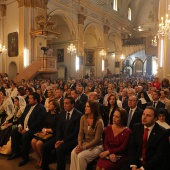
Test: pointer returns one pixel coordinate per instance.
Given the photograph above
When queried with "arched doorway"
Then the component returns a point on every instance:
(12, 70)
(137, 67)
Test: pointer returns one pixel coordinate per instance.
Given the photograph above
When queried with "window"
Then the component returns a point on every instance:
(115, 5)
(129, 14)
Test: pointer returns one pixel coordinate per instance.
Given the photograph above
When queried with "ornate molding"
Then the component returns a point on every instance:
(33, 3)
(81, 19)
(3, 10)
(106, 29)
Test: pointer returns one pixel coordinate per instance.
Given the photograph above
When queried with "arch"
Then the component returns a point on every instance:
(139, 66)
(12, 70)
(116, 39)
(97, 32)
(69, 19)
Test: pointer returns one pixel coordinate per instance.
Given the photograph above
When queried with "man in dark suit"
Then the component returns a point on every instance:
(78, 104)
(135, 113)
(29, 124)
(148, 146)
(59, 97)
(155, 100)
(124, 98)
(82, 97)
(66, 136)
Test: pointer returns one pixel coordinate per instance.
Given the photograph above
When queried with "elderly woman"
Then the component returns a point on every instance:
(115, 143)
(89, 137)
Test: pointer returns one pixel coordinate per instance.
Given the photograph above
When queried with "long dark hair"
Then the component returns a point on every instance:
(115, 104)
(94, 107)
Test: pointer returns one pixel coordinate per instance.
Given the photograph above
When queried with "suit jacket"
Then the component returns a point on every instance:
(79, 106)
(156, 148)
(159, 104)
(136, 118)
(72, 129)
(83, 98)
(36, 117)
(124, 103)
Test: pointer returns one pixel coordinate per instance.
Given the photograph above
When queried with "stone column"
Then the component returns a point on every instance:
(3, 40)
(80, 50)
(28, 9)
(106, 31)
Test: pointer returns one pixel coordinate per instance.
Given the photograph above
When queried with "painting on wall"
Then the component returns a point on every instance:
(117, 64)
(89, 57)
(60, 55)
(13, 44)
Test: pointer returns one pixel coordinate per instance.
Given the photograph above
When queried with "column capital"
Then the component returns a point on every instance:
(33, 3)
(3, 10)
(81, 19)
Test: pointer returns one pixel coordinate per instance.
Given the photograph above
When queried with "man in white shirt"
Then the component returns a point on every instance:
(29, 124)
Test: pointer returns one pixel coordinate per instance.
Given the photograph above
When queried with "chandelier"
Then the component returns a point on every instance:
(2, 48)
(164, 26)
(154, 42)
(122, 57)
(71, 49)
(103, 54)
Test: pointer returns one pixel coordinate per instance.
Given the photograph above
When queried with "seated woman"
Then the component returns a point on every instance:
(115, 143)
(50, 95)
(143, 100)
(49, 126)
(109, 110)
(19, 106)
(162, 114)
(89, 137)
(6, 114)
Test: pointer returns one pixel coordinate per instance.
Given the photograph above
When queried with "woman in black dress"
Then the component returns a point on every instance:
(49, 127)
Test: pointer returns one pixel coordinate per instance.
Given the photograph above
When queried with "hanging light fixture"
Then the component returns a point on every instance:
(71, 49)
(164, 26)
(154, 42)
(103, 54)
(2, 48)
(122, 57)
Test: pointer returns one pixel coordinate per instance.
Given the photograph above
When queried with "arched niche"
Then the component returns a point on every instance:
(12, 70)
(137, 67)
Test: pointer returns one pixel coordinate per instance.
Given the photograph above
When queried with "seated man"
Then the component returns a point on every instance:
(66, 136)
(29, 124)
(148, 146)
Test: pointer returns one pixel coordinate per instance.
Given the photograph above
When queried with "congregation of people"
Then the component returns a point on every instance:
(101, 123)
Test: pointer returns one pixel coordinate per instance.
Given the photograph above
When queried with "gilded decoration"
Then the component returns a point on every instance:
(3, 10)
(33, 3)
(81, 19)
(46, 25)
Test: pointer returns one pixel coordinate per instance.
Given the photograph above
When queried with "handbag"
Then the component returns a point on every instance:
(42, 136)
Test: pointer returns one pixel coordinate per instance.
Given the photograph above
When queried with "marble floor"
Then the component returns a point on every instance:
(13, 164)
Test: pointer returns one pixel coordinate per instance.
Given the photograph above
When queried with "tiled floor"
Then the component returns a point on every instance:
(13, 164)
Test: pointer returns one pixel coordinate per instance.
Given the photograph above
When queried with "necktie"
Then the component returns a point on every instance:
(67, 123)
(129, 118)
(123, 99)
(154, 104)
(144, 142)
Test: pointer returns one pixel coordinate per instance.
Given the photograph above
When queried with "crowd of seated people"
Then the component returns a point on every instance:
(88, 119)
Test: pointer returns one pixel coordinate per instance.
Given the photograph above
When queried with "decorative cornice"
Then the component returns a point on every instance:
(81, 19)
(3, 10)
(33, 3)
